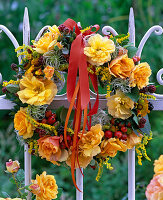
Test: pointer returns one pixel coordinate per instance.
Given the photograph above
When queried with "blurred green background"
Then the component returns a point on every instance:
(113, 184)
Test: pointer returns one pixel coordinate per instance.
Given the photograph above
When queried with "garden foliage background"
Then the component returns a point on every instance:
(113, 184)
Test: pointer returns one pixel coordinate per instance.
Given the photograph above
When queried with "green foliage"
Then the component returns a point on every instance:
(113, 184)
(131, 51)
(134, 94)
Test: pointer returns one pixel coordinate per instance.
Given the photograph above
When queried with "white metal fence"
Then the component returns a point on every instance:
(62, 99)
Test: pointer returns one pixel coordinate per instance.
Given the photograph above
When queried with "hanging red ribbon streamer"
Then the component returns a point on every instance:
(78, 63)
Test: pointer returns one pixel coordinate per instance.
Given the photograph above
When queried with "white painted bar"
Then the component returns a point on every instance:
(79, 182)
(131, 174)
(27, 156)
(131, 152)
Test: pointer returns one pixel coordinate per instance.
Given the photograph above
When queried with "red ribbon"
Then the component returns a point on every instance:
(78, 60)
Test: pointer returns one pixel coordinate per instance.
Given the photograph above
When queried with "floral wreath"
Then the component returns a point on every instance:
(88, 135)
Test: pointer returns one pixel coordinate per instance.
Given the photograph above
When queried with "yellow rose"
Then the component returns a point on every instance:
(82, 160)
(140, 75)
(121, 66)
(48, 40)
(49, 71)
(22, 125)
(89, 142)
(120, 105)
(48, 188)
(54, 29)
(158, 166)
(133, 140)
(46, 43)
(12, 166)
(98, 50)
(36, 92)
(111, 146)
(49, 149)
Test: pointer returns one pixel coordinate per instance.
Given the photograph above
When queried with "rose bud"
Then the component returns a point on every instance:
(12, 166)
(35, 188)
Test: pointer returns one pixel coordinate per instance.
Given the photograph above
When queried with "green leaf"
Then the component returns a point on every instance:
(12, 180)
(135, 118)
(63, 114)
(12, 88)
(20, 176)
(60, 190)
(131, 51)
(4, 195)
(134, 94)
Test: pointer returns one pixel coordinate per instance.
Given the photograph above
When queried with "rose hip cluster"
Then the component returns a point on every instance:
(50, 119)
(149, 88)
(118, 129)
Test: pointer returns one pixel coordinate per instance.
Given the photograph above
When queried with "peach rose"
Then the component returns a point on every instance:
(49, 71)
(12, 166)
(22, 125)
(121, 66)
(49, 149)
(111, 146)
(120, 105)
(89, 142)
(140, 75)
(82, 160)
(154, 190)
(44, 187)
(133, 140)
(158, 166)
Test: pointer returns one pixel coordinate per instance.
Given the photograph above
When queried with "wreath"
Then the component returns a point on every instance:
(86, 135)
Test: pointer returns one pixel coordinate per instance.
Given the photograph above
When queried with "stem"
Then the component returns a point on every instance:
(17, 185)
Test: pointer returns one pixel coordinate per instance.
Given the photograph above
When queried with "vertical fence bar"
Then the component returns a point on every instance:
(27, 156)
(131, 152)
(79, 182)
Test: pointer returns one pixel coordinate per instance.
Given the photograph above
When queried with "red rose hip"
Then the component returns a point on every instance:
(48, 113)
(118, 134)
(51, 120)
(108, 134)
(124, 137)
(44, 121)
(124, 129)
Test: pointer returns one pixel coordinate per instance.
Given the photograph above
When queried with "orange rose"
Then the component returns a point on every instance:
(49, 71)
(158, 166)
(121, 66)
(90, 140)
(12, 166)
(22, 125)
(154, 190)
(44, 187)
(140, 75)
(49, 149)
(111, 146)
(133, 140)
